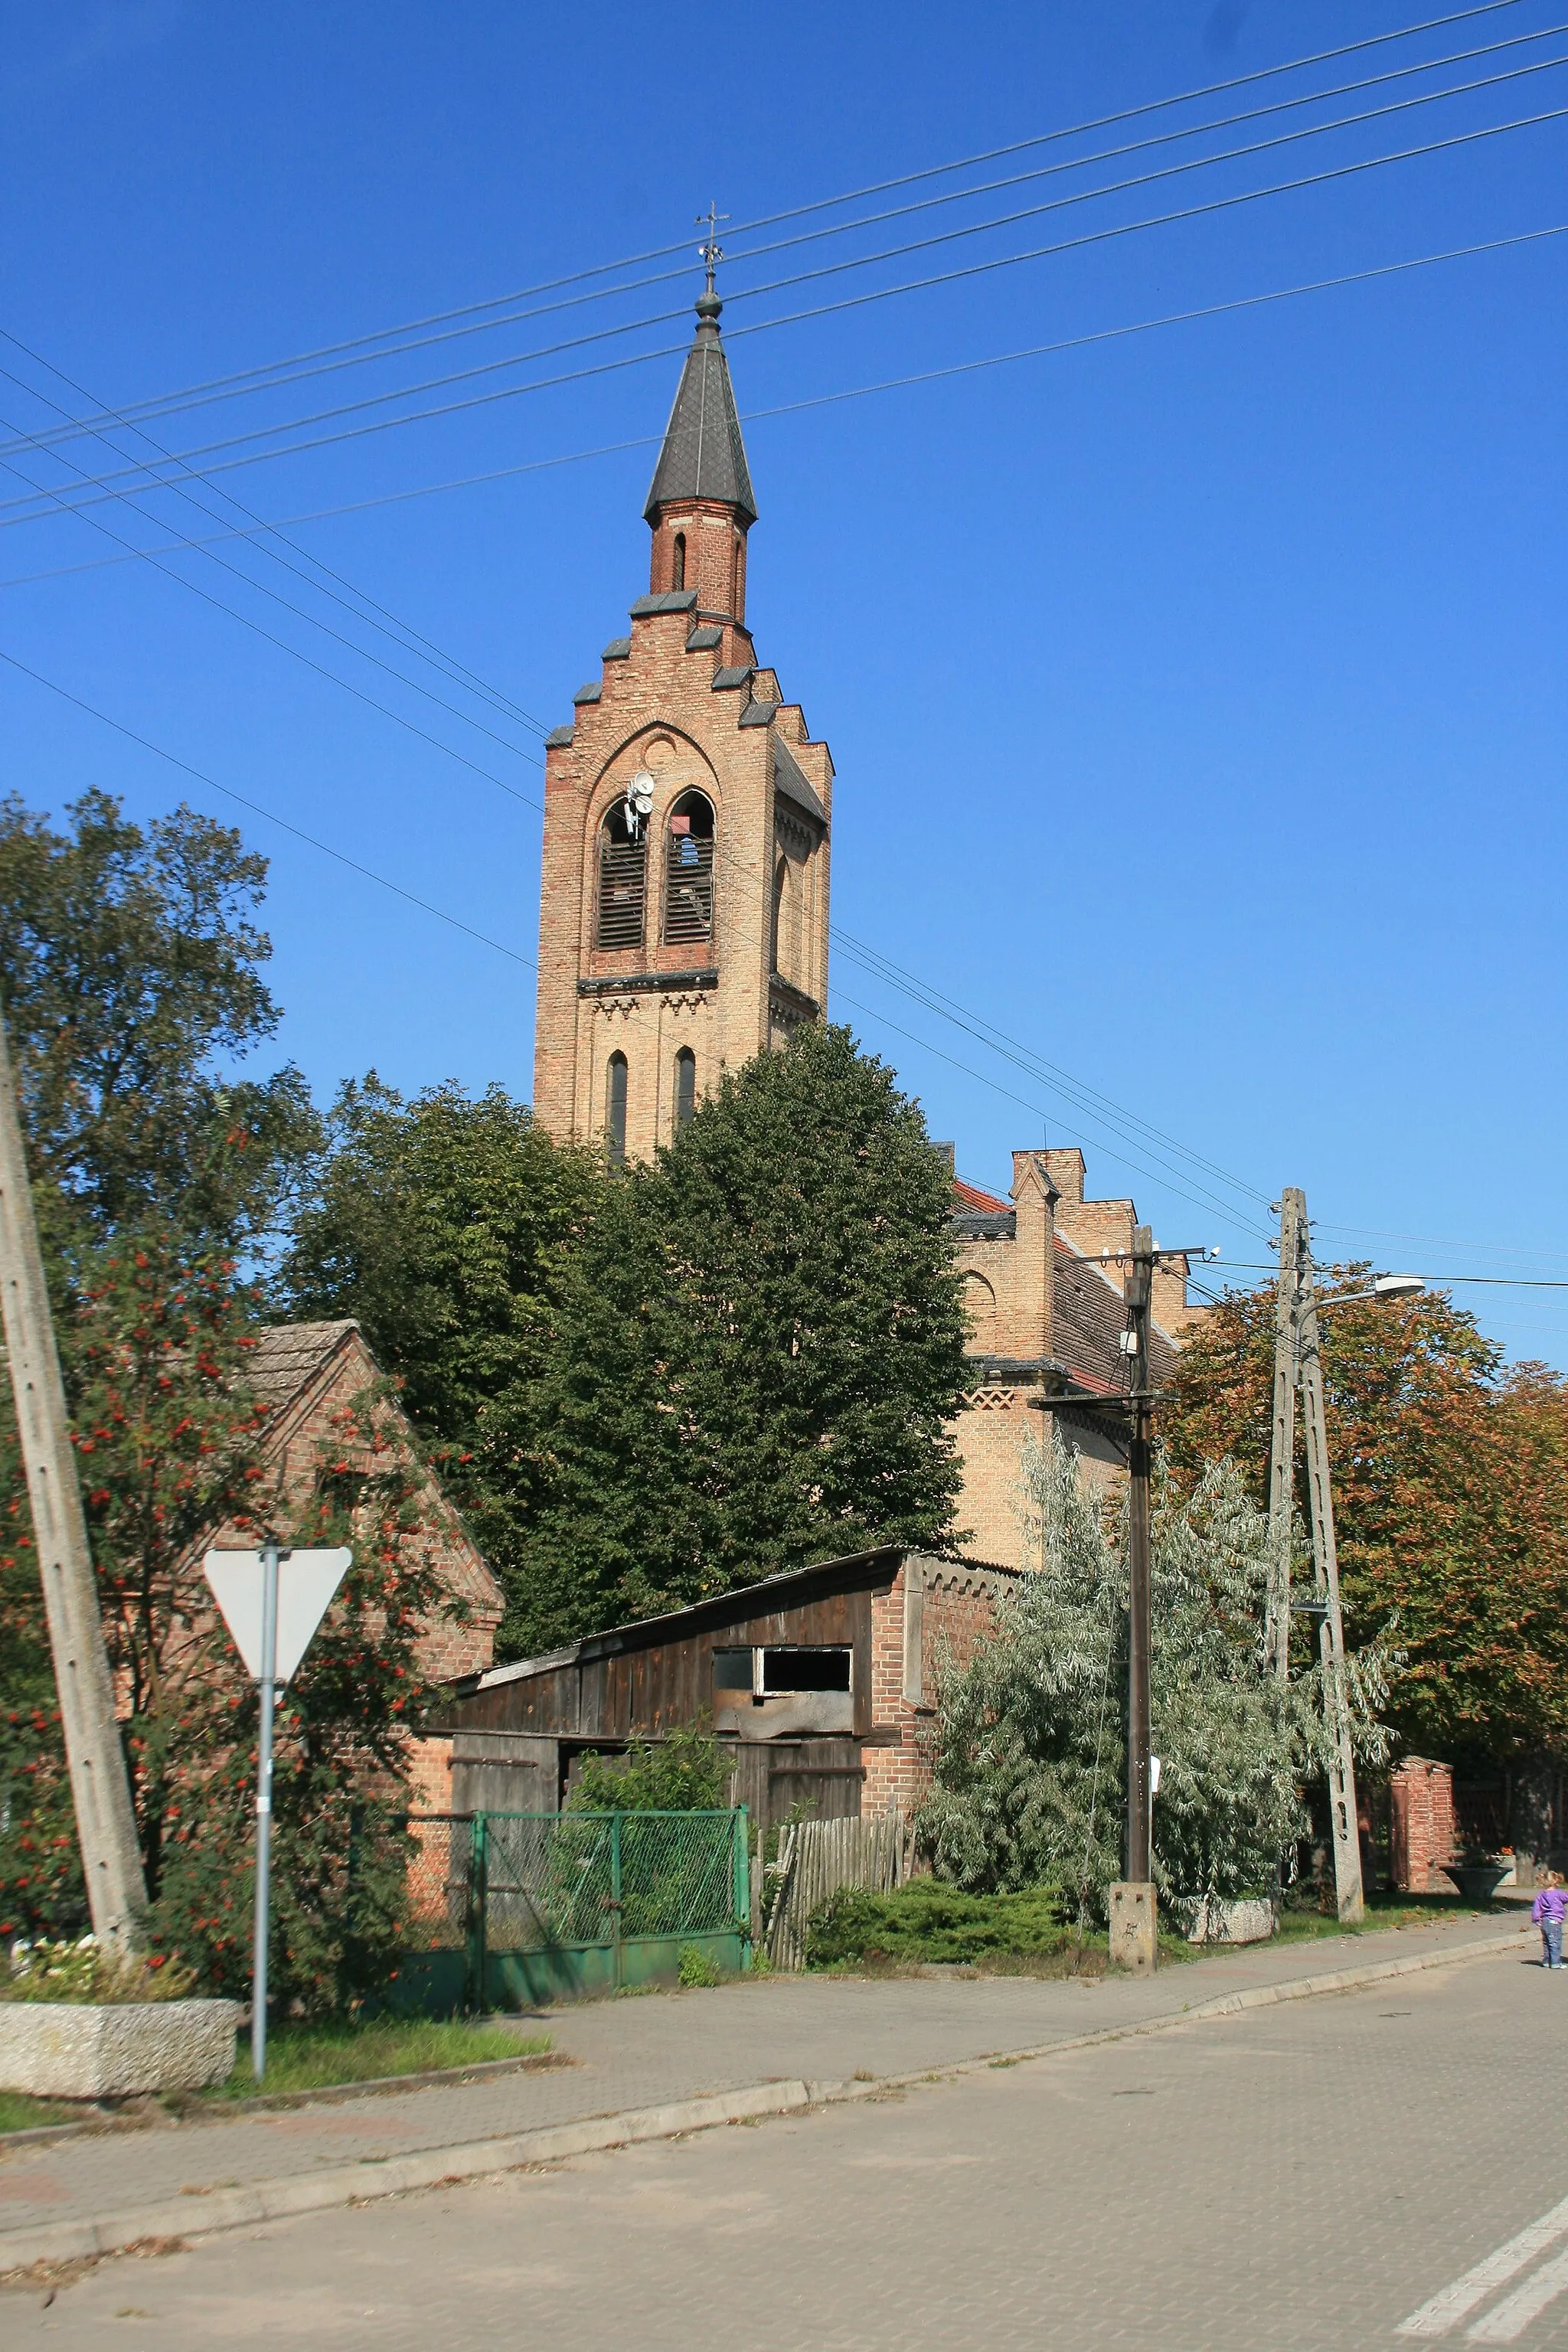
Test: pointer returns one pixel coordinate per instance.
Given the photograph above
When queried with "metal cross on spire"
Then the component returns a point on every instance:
(710, 250)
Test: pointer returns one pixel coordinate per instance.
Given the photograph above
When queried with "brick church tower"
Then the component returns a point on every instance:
(683, 908)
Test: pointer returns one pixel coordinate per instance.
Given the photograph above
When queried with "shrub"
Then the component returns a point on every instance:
(685, 1772)
(696, 1967)
(84, 1972)
(929, 1920)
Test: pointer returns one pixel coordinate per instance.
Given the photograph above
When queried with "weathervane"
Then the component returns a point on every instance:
(710, 250)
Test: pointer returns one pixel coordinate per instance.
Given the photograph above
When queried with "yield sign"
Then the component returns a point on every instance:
(306, 1583)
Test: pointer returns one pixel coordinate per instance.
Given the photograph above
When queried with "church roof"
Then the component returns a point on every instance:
(703, 456)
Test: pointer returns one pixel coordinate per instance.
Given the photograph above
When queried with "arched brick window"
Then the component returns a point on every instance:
(688, 870)
(678, 572)
(615, 1106)
(980, 1311)
(685, 1084)
(622, 880)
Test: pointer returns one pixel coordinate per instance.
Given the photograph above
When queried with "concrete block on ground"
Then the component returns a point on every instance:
(114, 2050)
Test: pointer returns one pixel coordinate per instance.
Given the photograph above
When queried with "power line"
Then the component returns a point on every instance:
(1489, 1281)
(239, 388)
(858, 195)
(321, 668)
(183, 541)
(401, 633)
(428, 907)
(341, 858)
(986, 1032)
(104, 483)
(516, 956)
(826, 399)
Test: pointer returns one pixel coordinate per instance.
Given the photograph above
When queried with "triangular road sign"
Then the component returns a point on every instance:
(306, 1583)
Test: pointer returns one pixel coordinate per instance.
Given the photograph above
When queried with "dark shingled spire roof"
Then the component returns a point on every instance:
(703, 456)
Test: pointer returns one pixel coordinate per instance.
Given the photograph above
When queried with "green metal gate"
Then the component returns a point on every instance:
(535, 1907)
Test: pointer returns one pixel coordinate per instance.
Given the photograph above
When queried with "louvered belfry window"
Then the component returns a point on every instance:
(622, 880)
(688, 870)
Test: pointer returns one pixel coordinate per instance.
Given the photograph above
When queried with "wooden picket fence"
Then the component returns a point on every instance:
(815, 1859)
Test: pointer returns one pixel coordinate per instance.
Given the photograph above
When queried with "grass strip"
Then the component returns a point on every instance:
(321, 2057)
(18, 2112)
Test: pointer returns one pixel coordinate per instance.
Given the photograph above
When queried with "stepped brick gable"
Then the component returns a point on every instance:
(683, 916)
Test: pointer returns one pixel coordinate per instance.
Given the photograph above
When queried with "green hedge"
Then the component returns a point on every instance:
(930, 1920)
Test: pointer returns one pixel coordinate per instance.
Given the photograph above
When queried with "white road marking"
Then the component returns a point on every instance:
(1514, 2314)
(1443, 2313)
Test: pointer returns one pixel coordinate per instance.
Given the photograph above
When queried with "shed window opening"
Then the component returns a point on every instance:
(784, 1670)
(622, 880)
(688, 870)
(615, 1106)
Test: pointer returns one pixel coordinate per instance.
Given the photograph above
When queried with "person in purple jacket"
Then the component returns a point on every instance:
(1547, 1911)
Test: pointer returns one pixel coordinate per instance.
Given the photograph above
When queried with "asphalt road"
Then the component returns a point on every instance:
(1336, 2173)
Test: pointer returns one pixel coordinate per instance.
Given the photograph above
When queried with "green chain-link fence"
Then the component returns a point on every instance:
(509, 1910)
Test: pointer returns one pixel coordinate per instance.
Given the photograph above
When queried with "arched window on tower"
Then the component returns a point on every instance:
(688, 870)
(685, 1085)
(678, 571)
(615, 1106)
(622, 880)
(740, 575)
(784, 919)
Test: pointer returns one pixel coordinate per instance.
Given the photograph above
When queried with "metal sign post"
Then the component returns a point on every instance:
(269, 1559)
(255, 1599)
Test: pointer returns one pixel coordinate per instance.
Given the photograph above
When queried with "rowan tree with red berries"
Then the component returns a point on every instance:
(1450, 1487)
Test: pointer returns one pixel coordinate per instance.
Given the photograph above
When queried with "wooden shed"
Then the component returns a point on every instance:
(823, 1677)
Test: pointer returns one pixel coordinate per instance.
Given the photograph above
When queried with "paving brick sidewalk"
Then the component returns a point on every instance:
(659, 2047)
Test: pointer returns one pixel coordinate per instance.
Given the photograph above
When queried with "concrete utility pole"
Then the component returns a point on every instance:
(100, 1786)
(1343, 1811)
(1282, 1442)
(1139, 1274)
(1133, 1941)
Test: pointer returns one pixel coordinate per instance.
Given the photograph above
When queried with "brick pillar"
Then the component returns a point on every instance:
(1423, 1831)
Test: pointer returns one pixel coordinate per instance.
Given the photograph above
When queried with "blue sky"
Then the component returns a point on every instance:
(1197, 695)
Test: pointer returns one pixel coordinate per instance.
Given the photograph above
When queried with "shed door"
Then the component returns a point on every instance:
(824, 1777)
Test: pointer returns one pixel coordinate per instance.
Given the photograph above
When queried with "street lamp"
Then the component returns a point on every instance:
(1386, 1286)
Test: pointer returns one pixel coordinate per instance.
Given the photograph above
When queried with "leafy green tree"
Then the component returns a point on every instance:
(442, 1226)
(1031, 1759)
(131, 978)
(686, 1772)
(757, 1350)
(169, 1442)
(1451, 1480)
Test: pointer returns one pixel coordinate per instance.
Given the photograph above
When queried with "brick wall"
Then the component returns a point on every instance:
(990, 1436)
(1423, 1826)
(936, 1611)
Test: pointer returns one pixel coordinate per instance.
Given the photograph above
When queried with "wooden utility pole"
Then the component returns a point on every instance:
(1282, 1438)
(1342, 1808)
(100, 1786)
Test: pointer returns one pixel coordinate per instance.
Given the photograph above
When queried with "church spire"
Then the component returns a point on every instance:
(703, 455)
